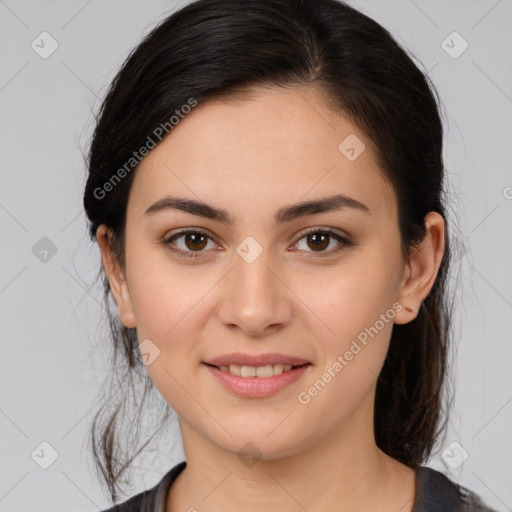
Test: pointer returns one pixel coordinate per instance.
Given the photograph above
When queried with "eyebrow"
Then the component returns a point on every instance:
(286, 214)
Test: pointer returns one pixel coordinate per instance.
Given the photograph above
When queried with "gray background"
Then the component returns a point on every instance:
(52, 363)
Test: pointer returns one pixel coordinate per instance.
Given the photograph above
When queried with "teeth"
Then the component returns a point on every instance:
(257, 371)
(248, 371)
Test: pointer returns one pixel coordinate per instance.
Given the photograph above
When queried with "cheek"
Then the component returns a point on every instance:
(351, 297)
(163, 295)
(171, 309)
(169, 313)
(355, 315)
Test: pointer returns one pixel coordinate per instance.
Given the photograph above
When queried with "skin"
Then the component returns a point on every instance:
(251, 157)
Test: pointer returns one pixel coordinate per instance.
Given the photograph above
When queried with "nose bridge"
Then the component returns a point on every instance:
(255, 298)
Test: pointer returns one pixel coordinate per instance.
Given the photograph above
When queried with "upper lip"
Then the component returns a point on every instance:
(241, 359)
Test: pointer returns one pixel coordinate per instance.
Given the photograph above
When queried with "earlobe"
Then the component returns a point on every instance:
(115, 276)
(422, 269)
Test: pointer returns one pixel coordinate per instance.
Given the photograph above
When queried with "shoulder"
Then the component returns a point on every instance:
(150, 500)
(471, 502)
(435, 491)
(135, 503)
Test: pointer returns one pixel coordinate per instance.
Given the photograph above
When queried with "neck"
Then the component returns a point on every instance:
(345, 471)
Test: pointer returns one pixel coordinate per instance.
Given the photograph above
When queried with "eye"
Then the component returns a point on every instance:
(194, 241)
(320, 239)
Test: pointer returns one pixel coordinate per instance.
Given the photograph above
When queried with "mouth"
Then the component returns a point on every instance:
(263, 372)
(249, 382)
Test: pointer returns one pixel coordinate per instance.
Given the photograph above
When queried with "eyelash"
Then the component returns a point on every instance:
(344, 242)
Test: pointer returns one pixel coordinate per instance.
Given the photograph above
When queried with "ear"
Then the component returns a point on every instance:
(116, 278)
(421, 270)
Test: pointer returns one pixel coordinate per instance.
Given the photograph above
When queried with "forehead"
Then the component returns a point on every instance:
(269, 147)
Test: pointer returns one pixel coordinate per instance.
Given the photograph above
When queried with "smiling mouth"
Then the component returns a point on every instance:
(266, 371)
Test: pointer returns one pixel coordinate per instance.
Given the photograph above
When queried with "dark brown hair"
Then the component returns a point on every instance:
(213, 48)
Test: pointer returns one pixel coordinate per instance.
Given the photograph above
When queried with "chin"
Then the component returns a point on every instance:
(267, 440)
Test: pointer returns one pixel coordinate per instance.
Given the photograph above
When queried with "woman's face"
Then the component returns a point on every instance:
(261, 284)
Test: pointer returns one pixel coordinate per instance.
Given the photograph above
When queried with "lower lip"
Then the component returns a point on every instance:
(257, 387)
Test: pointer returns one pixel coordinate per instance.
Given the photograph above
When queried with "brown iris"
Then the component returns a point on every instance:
(198, 241)
(320, 240)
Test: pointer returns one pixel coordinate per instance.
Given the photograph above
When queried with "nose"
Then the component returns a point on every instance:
(255, 298)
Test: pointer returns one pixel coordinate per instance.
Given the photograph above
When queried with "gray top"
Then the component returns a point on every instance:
(434, 493)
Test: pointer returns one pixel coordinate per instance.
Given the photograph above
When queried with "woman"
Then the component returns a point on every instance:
(266, 189)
